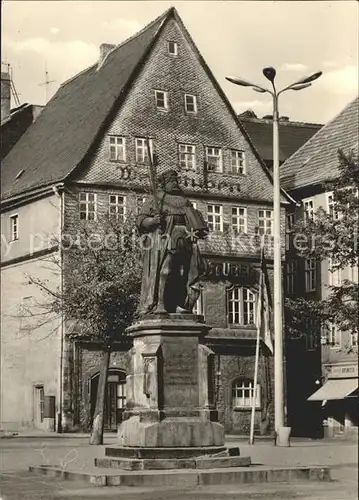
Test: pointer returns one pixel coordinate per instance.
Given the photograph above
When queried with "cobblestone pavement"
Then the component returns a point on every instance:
(16, 483)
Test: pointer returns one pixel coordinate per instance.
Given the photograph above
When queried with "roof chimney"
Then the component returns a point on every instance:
(5, 95)
(105, 48)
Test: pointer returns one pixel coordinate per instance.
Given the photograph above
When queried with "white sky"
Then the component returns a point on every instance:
(236, 38)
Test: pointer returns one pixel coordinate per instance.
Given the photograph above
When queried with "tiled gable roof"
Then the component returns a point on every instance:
(317, 160)
(292, 136)
(62, 135)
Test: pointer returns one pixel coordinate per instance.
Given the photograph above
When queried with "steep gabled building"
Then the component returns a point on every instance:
(333, 392)
(87, 152)
(292, 135)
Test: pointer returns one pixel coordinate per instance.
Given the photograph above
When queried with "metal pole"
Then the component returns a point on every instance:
(278, 323)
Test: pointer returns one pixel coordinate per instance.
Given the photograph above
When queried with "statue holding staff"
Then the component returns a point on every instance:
(172, 263)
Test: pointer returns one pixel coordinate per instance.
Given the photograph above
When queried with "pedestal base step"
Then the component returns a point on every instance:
(189, 478)
(172, 463)
(138, 452)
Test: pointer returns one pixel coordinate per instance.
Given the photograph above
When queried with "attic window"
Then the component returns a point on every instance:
(161, 100)
(172, 48)
(19, 174)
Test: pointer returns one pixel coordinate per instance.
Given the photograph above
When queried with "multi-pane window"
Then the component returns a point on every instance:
(140, 201)
(241, 306)
(14, 227)
(141, 149)
(87, 206)
(309, 209)
(265, 221)
(190, 103)
(243, 394)
(172, 48)
(335, 273)
(331, 335)
(237, 162)
(239, 219)
(117, 148)
(117, 206)
(215, 217)
(310, 274)
(290, 221)
(214, 159)
(291, 276)
(332, 207)
(161, 99)
(187, 156)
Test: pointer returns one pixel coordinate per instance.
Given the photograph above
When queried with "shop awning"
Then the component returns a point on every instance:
(335, 389)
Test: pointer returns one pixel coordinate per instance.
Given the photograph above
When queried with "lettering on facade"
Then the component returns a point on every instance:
(223, 270)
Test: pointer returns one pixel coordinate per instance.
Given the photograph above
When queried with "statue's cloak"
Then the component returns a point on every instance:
(180, 220)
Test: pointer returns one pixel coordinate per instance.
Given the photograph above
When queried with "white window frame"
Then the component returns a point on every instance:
(117, 148)
(334, 274)
(309, 209)
(243, 393)
(190, 107)
(187, 156)
(159, 96)
(266, 218)
(175, 46)
(14, 227)
(310, 274)
(238, 162)
(141, 146)
(331, 206)
(140, 201)
(239, 222)
(115, 206)
(215, 217)
(214, 154)
(241, 306)
(86, 203)
(291, 275)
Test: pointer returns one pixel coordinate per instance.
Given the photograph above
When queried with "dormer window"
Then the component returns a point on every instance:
(161, 100)
(172, 48)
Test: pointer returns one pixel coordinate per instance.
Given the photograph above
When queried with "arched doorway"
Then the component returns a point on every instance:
(115, 398)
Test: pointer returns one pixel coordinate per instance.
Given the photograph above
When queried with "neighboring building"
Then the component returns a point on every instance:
(14, 122)
(292, 135)
(304, 175)
(85, 153)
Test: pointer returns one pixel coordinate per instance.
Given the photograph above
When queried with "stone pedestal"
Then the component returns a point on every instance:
(169, 388)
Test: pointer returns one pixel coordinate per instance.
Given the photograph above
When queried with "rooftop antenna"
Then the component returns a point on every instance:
(14, 93)
(47, 82)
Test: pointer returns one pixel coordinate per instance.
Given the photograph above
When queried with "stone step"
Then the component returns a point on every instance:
(190, 477)
(168, 452)
(172, 463)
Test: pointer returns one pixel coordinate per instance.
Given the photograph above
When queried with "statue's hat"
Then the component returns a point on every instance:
(166, 176)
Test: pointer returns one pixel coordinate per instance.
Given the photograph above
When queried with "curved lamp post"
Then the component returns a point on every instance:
(303, 83)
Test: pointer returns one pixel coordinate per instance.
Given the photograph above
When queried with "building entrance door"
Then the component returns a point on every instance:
(115, 398)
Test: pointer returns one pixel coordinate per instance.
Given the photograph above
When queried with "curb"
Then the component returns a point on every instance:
(191, 478)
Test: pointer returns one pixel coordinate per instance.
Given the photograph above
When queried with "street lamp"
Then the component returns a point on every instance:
(303, 83)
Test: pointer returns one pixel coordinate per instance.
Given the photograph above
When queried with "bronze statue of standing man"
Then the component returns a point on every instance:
(172, 264)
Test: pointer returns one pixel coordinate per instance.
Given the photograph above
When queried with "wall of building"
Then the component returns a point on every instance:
(30, 353)
(38, 228)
